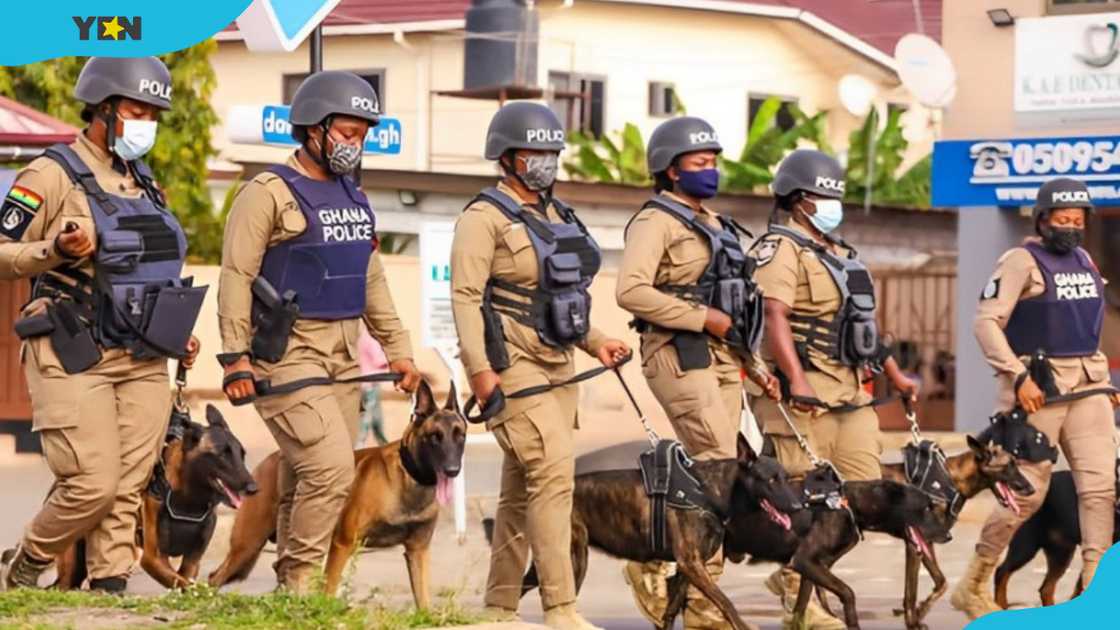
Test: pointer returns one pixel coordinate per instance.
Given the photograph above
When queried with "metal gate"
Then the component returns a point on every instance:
(919, 307)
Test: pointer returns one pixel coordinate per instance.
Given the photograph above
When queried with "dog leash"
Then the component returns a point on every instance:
(650, 433)
(264, 387)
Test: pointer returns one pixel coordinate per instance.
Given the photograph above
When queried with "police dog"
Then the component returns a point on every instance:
(981, 467)
(389, 504)
(198, 470)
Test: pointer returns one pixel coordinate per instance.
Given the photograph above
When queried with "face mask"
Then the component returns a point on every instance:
(701, 184)
(344, 158)
(829, 214)
(1062, 240)
(137, 139)
(540, 171)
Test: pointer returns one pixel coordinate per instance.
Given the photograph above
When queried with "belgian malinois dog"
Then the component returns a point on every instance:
(395, 500)
(197, 471)
(981, 467)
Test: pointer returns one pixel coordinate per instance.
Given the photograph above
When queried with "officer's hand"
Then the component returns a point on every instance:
(906, 386)
(802, 389)
(612, 352)
(769, 384)
(73, 242)
(1115, 400)
(193, 347)
(243, 387)
(1031, 398)
(717, 323)
(483, 385)
(411, 378)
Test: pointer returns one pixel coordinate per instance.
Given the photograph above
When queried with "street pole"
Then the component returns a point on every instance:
(317, 49)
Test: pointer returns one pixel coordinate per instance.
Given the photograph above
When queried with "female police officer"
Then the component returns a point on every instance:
(521, 264)
(1048, 296)
(283, 316)
(685, 279)
(821, 336)
(89, 225)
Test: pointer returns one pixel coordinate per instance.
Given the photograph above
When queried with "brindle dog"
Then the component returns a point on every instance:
(395, 499)
(981, 467)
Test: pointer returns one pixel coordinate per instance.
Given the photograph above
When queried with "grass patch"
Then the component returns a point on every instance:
(202, 606)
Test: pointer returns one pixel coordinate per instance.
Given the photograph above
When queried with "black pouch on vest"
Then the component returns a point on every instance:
(34, 326)
(172, 317)
(273, 317)
(692, 350)
(72, 340)
(494, 337)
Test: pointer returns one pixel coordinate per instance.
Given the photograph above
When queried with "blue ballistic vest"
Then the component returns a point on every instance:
(559, 309)
(1066, 320)
(325, 266)
(139, 301)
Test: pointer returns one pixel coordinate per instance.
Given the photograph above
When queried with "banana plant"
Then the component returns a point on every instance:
(767, 144)
(621, 159)
(874, 158)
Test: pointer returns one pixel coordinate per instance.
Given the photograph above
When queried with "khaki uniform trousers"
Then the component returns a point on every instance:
(1084, 429)
(101, 432)
(704, 407)
(315, 429)
(534, 512)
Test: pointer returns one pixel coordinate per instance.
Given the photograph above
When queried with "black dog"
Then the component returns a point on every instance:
(1055, 529)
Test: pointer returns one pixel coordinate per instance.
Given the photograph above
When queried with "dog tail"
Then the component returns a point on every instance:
(254, 524)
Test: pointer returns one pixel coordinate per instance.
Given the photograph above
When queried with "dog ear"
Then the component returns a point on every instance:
(744, 451)
(425, 401)
(977, 448)
(452, 403)
(214, 417)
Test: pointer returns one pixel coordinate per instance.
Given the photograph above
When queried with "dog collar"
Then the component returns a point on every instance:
(413, 469)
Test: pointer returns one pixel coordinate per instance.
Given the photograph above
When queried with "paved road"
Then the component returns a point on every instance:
(874, 569)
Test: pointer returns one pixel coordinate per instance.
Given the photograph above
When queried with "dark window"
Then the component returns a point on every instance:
(376, 79)
(662, 99)
(579, 101)
(784, 120)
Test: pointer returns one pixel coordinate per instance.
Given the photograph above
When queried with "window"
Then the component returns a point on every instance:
(376, 79)
(586, 113)
(784, 119)
(1081, 6)
(662, 99)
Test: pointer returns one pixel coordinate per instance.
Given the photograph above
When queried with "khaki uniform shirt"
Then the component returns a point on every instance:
(1018, 277)
(795, 276)
(488, 245)
(265, 213)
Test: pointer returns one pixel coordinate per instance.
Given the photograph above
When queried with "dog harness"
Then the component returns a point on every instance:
(668, 483)
(1011, 431)
(924, 466)
(179, 530)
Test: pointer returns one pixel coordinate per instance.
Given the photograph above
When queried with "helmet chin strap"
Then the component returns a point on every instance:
(110, 120)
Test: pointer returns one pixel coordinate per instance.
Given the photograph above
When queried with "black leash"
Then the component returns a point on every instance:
(497, 401)
(841, 408)
(264, 387)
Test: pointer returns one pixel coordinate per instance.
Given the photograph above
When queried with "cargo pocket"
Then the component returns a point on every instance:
(304, 422)
(822, 289)
(688, 255)
(61, 457)
(516, 239)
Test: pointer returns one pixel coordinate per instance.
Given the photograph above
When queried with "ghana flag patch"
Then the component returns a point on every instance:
(28, 198)
(17, 211)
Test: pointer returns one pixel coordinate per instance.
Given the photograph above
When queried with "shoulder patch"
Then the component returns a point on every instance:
(17, 211)
(766, 250)
(991, 289)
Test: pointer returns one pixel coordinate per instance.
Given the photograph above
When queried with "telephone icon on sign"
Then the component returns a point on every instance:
(991, 159)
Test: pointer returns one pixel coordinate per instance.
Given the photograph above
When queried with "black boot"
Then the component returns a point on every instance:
(110, 585)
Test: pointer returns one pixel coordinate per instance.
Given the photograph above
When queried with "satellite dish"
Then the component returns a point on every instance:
(926, 70)
(856, 94)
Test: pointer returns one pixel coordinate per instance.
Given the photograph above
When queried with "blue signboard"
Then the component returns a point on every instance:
(385, 138)
(1009, 172)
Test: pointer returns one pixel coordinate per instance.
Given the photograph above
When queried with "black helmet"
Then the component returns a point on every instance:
(678, 136)
(523, 125)
(1062, 192)
(811, 171)
(144, 79)
(329, 93)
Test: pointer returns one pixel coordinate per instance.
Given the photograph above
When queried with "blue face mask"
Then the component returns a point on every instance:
(700, 184)
(829, 215)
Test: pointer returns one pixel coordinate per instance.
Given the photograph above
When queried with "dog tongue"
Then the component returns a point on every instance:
(234, 498)
(1008, 497)
(918, 540)
(443, 488)
(781, 518)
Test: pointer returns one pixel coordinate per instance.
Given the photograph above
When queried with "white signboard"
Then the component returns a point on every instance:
(436, 324)
(1068, 65)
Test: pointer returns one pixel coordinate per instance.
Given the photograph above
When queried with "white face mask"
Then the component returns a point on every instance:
(138, 138)
(829, 215)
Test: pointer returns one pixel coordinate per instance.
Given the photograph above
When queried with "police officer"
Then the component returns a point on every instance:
(1048, 295)
(89, 225)
(685, 278)
(821, 337)
(521, 264)
(284, 318)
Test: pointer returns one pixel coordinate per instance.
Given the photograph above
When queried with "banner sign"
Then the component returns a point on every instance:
(269, 124)
(1067, 64)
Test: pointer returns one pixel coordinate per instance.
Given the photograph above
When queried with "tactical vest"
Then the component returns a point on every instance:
(326, 265)
(559, 309)
(851, 336)
(727, 284)
(1066, 320)
(136, 299)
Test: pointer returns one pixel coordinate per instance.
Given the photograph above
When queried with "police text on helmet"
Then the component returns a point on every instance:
(1070, 196)
(155, 88)
(544, 135)
(364, 104)
(702, 137)
(830, 184)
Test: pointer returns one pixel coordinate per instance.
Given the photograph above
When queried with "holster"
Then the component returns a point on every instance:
(273, 319)
(72, 339)
(692, 350)
(494, 336)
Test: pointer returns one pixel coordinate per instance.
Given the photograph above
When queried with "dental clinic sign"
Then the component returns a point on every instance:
(1067, 65)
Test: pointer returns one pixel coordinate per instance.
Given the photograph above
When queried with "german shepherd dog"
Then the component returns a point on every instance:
(203, 468)
(981, 467)
(395, 500)
(1055, 529)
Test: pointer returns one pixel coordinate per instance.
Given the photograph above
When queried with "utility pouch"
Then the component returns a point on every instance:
(34, 326)
(494, 336)
(170, 318)
(72, 340)
(692, 350)
(274, 316)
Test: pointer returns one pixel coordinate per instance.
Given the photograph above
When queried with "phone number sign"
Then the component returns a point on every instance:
(1009, 172)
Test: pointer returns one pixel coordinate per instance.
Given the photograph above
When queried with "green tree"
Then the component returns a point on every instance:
(182, 145)
(767, 144)
(621, 160)
(883, 152)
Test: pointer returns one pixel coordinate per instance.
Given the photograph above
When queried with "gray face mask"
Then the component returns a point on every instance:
(540, 171)
(343, 158)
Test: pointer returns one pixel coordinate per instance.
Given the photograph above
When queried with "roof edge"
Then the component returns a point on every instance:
(373, 28)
